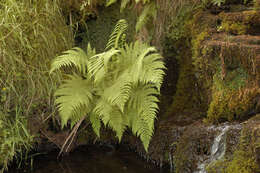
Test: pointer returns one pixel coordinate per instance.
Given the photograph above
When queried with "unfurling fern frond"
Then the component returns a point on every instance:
(119, 87)
(114, 39)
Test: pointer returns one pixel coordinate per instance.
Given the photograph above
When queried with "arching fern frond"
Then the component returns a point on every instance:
(95, 123)
(118, 122)
(145, 65)
(114, 39)
(142, 109)
(74, 57)
(153, 70)
(74, 95)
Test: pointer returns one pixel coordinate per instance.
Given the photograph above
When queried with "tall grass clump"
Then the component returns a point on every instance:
(15, 139)
(31, 34)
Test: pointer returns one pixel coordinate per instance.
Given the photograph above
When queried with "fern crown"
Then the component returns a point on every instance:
(118, 87)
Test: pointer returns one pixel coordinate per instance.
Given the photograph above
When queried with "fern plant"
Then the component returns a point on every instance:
(149, 10)
(118, 87)
(218, 2)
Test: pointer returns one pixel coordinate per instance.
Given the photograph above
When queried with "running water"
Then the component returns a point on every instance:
(218, 150)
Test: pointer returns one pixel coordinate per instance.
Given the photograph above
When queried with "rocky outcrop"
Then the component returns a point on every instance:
(218, 83)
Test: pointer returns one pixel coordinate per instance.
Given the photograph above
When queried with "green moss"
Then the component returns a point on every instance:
(188, 98)
(190, 94)
(232, 95)
(233, 27)
(177, 28)
(232, 80)
(198, 51)
(182, 161)
(217, 167)
(229, 105)
(197, 43)
(240, 22)
(244, 159)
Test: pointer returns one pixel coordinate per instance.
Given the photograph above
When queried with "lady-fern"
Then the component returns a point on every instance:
(118, 87)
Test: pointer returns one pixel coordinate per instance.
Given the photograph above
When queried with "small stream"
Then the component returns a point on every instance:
(91, 159)
(218, 149)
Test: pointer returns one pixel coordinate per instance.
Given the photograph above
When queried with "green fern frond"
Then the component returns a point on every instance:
(98, 65)
(153, 69)
(78, 113)
(118, 123)
(118, 93)
(148, 12)
(95, 123)
(145, 65)
(72, 96)
(141, 129)
(142, 109)
(103, 110)
(114, 39)
(145, 134)
(74, 57)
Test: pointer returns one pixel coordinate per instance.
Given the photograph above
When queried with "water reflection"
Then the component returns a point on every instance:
(93, 160)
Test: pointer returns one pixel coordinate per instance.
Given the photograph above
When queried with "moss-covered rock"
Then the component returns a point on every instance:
(245, 158)
(240, 22)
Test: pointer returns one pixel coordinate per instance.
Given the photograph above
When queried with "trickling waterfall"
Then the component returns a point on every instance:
(170, 160)
(218, 150)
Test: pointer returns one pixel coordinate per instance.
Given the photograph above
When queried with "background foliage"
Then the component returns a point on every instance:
(31, 34)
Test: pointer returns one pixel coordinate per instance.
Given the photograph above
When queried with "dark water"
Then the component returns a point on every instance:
(91, 159)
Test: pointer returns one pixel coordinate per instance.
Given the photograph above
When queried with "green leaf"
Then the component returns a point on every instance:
(114, 39)
(95, 122)
(74, 94)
